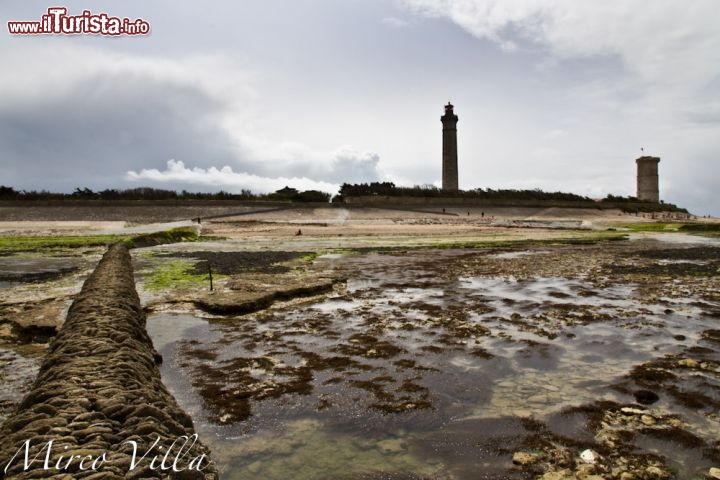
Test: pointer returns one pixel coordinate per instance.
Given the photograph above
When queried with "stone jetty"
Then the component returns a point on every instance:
(98, 408)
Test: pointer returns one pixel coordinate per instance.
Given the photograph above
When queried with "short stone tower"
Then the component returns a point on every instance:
(647, 179)
(449, 150)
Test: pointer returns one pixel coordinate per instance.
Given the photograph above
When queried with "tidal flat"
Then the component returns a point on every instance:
(441, 348)
(464, 364)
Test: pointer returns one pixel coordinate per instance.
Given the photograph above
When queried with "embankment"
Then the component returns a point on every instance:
(98, 408)
(468, 201)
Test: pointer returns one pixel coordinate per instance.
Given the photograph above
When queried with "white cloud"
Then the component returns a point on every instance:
(218, 76)
(343, 164)
(178, 175)
(653, 39)
(669, 50)
(352, 165)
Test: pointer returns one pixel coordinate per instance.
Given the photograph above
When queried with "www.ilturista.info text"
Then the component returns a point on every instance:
(58, 22)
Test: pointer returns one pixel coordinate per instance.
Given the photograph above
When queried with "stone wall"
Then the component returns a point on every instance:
(437, 202)
(98, 403)
(384, 200)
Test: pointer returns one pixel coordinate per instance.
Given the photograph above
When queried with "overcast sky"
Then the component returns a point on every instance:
(551, 94)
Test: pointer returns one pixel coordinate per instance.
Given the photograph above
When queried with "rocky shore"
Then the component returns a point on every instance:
(377, 344)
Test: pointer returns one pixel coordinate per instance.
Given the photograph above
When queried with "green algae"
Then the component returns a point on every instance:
(16, 244)
(701, 227)
(653, 227)
(175, 235)
(54, 243)
(177, 274)
(708, 229)
(578, 238)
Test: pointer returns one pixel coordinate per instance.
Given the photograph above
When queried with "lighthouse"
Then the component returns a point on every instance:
(449, 150)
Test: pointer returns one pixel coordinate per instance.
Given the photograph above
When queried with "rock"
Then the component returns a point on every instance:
(627, 476)
(525, 458)
(675, 422)
(688, 363)
(563, 457)
(656, 473)
(561, 475)
(632, 411)
(585, 471)
(391, 446)
(607, 437)
(714, 473)
(44, 425)
(648, 420)
(589, 456)
(78, 425)
(89, 417)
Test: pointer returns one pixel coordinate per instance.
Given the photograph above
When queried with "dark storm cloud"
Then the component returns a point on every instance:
(117, 127)
(105, 126)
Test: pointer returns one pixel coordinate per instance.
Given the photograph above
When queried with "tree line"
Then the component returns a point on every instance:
(287, 194)
(390, 189)
(629, 204)
(146, 193)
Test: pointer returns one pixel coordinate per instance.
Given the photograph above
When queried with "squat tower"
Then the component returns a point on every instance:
(647, 179)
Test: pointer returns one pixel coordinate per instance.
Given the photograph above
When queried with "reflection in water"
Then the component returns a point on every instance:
(413, 373)
(21, 268)
(280, 444)
(18, 369)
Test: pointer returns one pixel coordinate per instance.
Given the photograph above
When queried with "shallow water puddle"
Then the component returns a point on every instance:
(307, 449)
(167, 328)
(518, 254)
(20, 268)
(277, 442)
(18, 370)
(566, 359)
(397, 374)
(503, 291)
